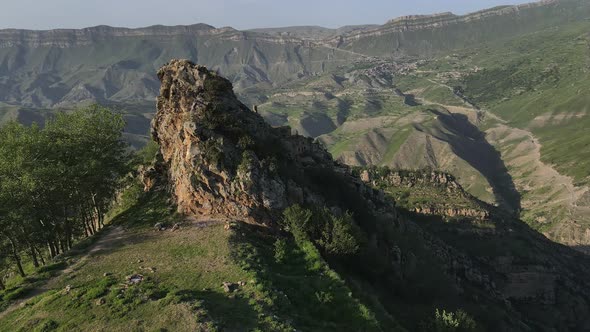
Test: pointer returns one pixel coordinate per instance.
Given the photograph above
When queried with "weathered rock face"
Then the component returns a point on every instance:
(221, 157)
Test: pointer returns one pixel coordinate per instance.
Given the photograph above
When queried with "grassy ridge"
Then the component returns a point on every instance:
(184, 271)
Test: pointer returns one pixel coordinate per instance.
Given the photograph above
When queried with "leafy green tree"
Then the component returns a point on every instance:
(57, 183)
(18, 158)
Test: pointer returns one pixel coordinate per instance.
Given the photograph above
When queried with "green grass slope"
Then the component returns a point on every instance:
(182, 291)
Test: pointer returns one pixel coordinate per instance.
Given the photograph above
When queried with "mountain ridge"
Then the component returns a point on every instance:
(407, 22)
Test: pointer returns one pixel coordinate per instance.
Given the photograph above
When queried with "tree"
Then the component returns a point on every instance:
(57, 183)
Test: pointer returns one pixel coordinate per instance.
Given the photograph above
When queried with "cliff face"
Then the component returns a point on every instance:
(220, 159)
(223, 158)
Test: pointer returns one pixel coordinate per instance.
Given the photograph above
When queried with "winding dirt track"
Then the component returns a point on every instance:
(106, 241)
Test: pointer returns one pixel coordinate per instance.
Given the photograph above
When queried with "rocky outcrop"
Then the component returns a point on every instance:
(453, 213)
(410, 179)
(425, 179)
(224, 159)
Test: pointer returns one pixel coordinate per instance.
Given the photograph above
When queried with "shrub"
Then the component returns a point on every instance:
(444, 321)
(335, 235)
(324, 297)
(147, 154)
(280, 250)
(213, 151)
(101, 288)
(297, 220)
(17, 293)
(247, 162)
(339, 236)
(246, 142)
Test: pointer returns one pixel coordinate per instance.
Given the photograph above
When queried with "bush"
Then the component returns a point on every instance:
(247, 162)
(100, 289)
(297, 220)
(280, 250)
(339, 236)
(213, 151)
(335, 235)
(324, 297)
(246, 142)
(147, 154)
(444, 321)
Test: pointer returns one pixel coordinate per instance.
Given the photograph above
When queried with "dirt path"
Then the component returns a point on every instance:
(106, 241)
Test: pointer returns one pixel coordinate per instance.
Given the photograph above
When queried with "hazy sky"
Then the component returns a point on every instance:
(240, 14)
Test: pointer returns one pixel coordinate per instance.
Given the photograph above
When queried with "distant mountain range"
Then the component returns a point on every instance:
(63, 67)
(496, 97)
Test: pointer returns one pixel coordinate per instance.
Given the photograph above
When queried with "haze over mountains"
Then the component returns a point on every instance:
(492, 96)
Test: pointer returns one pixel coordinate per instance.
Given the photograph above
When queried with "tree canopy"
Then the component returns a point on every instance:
(56, 182)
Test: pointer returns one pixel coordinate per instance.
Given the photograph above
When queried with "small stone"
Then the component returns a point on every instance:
(229, 287)
(100, 301)
(134, 279)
